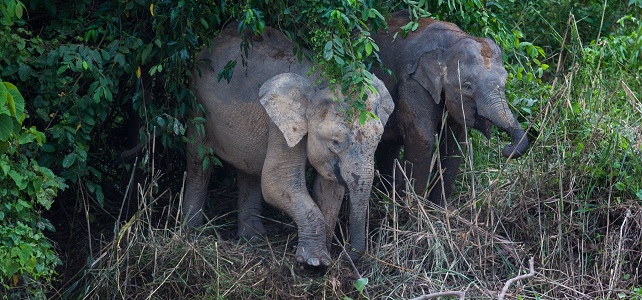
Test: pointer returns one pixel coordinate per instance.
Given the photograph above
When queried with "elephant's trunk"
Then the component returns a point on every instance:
(360, 185)
(518, 146)
(500, 115)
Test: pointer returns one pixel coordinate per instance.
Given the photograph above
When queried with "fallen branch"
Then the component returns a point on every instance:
(531, 273)
(441, 294)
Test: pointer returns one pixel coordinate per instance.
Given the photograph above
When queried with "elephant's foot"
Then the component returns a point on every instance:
(312, 256)
(250, 229)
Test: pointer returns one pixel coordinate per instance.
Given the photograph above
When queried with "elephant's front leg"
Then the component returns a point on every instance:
(453, 140)
(283, 185)
(328, 195)
(418, 152)
(249, 205)
(385, 158)
(418, 117)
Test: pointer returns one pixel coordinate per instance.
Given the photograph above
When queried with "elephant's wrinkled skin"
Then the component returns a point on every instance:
(269, 121)
(440, 68)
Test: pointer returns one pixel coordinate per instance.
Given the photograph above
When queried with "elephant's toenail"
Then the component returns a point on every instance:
(313, 262)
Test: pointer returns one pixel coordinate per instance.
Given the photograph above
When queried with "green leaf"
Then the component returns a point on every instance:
(206, 163)
(11, 268)
(4, 145)
(108, 94)
(368, 49)
(3, 95)
(160, 121)
(146, 52)
(100, 197)
(19, 10)
(98, 94)
(5, 167)
(339, 60)
(327, 51)
(376, 12)
(18, 102)
(26, 251)
(6, 127)
(17, 178)
(62, 69)
(69, 160)
(360, 284)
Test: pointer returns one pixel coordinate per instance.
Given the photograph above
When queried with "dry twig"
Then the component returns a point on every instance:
(441, 294)
(531, 273)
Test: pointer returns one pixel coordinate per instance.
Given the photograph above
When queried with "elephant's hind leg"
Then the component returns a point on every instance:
(198, 179)
(249, 205)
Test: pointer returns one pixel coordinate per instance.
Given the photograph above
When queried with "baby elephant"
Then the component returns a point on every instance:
(443, 81)
(271, 137)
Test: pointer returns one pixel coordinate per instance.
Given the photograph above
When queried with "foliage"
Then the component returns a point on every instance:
(87, 85)
(25, 189)
(11, 10)
(607, 139)
(340, 37)
(337, 32)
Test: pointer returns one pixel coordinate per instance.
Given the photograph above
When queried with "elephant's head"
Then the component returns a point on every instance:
(340, 150)
(470, 77)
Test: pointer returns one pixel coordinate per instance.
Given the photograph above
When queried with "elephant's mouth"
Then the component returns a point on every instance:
(339, 178)
(484, 126)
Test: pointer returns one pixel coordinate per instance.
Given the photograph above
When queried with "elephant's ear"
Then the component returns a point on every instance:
(384, 107)
(429, 72)
(285, 100)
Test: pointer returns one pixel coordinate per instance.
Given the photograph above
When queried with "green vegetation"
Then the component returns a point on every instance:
(27, 257)
(98, 99)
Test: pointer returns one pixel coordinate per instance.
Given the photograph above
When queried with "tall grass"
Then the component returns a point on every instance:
(573, 204)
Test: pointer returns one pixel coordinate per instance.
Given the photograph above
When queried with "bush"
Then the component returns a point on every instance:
(27, 257)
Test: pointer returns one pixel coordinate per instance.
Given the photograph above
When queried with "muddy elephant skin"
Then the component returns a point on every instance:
(269, 122)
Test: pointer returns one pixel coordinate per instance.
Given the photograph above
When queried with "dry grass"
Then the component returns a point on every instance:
(414, 249)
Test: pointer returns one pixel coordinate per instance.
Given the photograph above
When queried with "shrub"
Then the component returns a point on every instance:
(27, 257)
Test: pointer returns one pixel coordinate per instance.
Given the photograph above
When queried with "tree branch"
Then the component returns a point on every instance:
(531, 273)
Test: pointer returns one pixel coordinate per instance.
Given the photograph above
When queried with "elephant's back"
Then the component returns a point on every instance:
(236, 121)
(397, 51)
(267, 56)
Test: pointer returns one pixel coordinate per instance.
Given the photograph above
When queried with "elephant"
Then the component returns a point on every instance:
(271, 121)
(442, 81)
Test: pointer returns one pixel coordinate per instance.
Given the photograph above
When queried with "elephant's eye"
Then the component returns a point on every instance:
(337, 145)
(467, 86)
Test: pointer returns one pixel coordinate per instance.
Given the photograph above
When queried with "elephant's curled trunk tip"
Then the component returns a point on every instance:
(518, 146)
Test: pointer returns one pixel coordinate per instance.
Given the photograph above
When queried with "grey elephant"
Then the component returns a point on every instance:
(269, 122)
(443, 80)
